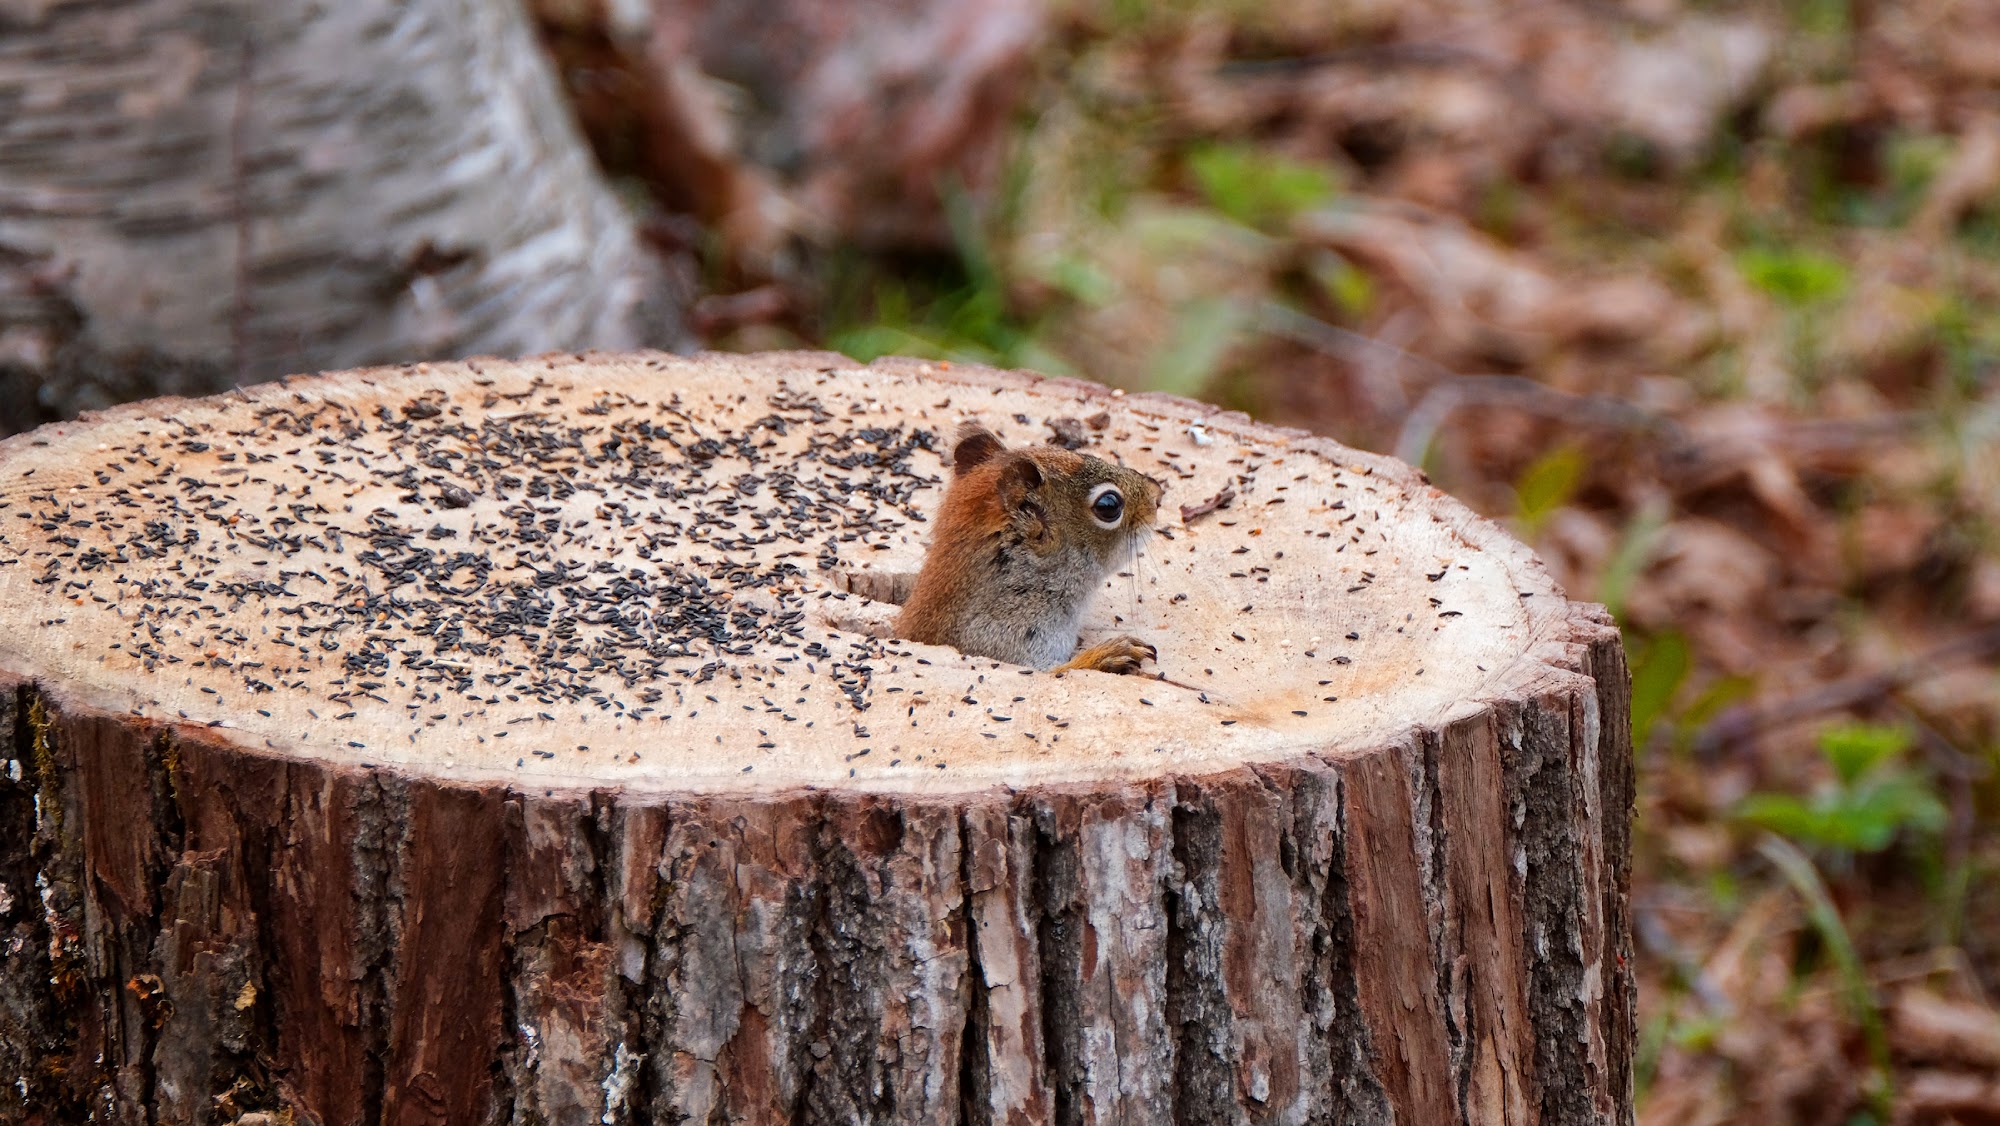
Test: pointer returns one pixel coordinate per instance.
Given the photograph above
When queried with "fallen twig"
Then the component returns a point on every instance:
(1745, 721)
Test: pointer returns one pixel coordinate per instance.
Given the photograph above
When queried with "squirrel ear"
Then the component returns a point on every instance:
(976, 444)
(1019, 477)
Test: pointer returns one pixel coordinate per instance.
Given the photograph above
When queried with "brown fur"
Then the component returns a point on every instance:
(1015, 555)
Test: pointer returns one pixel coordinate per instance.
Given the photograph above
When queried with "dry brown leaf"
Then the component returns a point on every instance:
(1982, 599)
(1702, 847)
(1752, 961)
(1891, 314)
(1970, 178)
(1934, 1029)
(1675, 88)
(1470, 284)
(1740, 443)
(1577, 544)
(1800, 110)
(1968, 41)
(1893, 537)
(1948, 1098)
(1684, 1104)
(1703, 565)
(1483, 297)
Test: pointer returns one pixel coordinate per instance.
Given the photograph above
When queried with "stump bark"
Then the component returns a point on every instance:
(505, 741)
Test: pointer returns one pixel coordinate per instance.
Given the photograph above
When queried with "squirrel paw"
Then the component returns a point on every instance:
(1120, 655)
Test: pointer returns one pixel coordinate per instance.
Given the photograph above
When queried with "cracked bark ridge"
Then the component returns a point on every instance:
(1411, 909)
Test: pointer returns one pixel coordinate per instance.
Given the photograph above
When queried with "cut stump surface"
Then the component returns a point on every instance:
(514, 741)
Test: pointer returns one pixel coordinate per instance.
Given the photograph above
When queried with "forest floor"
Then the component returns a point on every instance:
(1703, 300)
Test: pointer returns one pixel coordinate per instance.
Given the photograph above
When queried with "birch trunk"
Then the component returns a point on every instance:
(198, 194)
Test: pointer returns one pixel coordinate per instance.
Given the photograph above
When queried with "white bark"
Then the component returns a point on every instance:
(196, 194)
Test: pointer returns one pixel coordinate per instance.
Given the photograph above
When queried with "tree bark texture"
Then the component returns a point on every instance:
(196, 194)
(1377, 909)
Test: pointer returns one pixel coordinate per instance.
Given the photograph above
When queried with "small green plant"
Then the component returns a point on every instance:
(1690, 1031)
(1257, 188)
(1547, 484)
(1914, 160)
(1795, 277)
(1204, 331)
(1856, 990)
(1348, 286)
(970, 323)
(958, 309)
(1874, 795)
(1830, 19)
(1642, 534)
(1659, 666)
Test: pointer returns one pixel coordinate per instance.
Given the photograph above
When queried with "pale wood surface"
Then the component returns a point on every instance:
(275, 551)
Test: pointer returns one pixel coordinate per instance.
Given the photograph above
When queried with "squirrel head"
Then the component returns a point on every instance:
(1050, 498)
(1019, 544)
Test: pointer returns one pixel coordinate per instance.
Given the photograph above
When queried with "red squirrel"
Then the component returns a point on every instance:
(1023, 539)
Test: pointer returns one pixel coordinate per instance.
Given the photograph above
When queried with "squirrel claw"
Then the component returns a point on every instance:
(1120, 655)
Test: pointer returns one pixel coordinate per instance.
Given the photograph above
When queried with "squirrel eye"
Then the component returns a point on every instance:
(1107, 506)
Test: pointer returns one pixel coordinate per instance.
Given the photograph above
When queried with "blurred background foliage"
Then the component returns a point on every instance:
(1700, 297)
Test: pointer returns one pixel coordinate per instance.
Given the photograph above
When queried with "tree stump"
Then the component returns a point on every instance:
(506, 741)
